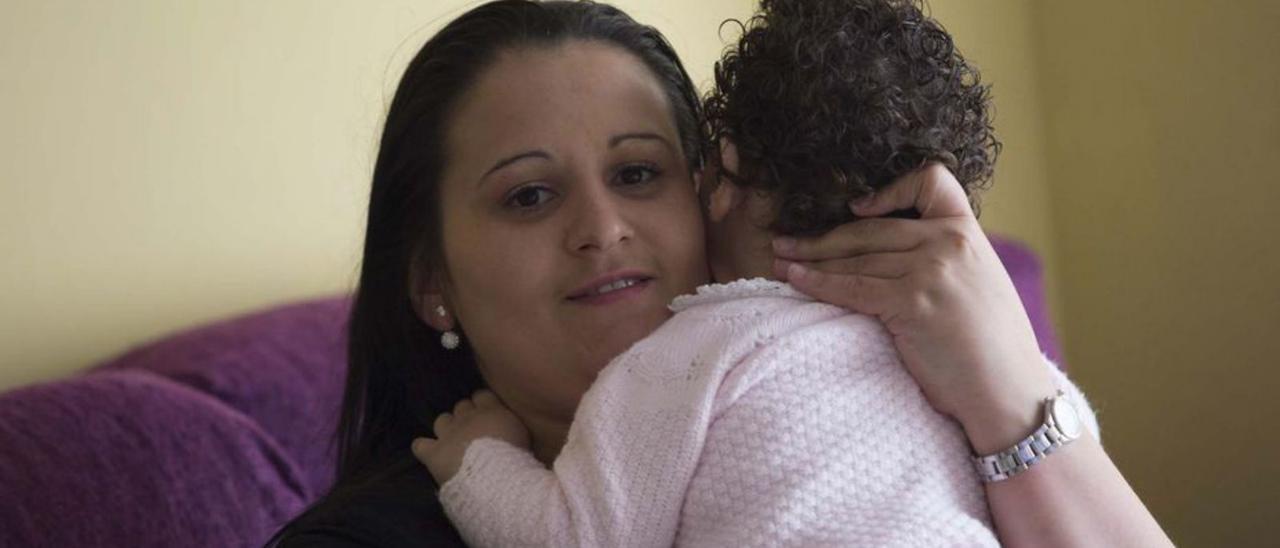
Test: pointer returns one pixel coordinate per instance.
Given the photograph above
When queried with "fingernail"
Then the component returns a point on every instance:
(780, 267)
(784, 245)
(862, 203)
(796, 273)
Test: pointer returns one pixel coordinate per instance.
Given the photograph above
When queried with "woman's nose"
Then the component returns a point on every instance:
(599, 222)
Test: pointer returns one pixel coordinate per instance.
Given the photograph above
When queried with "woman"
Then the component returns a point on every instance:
(536, 158)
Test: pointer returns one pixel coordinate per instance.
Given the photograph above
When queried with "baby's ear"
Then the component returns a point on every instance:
(725, 195)
(723, 199)
(728, 156)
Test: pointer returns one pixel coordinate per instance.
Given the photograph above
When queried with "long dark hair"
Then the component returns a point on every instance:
(399, 377)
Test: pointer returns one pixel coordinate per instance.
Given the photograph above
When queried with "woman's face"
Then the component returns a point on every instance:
(569, 219)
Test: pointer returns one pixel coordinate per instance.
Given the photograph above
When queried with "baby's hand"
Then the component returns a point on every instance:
(481, 416)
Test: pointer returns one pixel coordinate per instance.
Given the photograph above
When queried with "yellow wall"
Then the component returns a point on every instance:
(998, 36)
(1140, 142)
(1163, 123)
(164, 163)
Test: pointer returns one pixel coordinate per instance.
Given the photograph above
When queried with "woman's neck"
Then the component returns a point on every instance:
(548, 438)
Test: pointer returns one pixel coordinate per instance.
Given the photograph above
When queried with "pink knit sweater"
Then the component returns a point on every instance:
(754, 417)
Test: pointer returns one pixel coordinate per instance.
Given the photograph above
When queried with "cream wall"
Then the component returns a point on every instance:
(999, 37)
(164, 163)
(1163, 123)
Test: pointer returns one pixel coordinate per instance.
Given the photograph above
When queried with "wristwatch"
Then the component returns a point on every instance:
(1061, 426)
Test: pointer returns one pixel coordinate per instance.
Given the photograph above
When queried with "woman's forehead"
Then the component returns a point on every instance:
(544, 96)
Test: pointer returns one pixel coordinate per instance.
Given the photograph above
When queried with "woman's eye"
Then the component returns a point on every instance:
(529, 197)
(636, 174)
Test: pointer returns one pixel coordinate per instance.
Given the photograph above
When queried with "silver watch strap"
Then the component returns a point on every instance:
(1024, 454)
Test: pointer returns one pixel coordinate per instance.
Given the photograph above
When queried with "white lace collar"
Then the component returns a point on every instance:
(737, 289)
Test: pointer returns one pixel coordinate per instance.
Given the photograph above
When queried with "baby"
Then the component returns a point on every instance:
(756, 415)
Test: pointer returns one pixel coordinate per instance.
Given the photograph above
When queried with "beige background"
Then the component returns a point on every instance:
(164, 163)
(1163, 122)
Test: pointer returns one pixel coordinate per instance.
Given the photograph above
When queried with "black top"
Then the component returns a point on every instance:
(399, 508)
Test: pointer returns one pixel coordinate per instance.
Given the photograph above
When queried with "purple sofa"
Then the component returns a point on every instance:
(214, 436)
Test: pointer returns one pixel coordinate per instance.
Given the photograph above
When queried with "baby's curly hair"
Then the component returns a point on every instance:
(830, 100)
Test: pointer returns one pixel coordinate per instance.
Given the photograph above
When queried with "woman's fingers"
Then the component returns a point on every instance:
(892, 265)
(932, 190)
(859, 293)
(855, 238)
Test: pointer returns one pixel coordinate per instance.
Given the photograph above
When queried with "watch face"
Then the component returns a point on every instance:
(1064, 416)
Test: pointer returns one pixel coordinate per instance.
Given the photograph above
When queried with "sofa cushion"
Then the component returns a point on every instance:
(283, 367)
(131, 459)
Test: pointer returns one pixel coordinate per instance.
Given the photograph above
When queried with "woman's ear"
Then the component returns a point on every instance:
(429, 303)
(432, 311)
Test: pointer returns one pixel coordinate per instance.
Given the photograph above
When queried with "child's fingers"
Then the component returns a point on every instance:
(421, 447)
(463, 407)
(854, 238)
(485, 398)
(932, 190)
(442, 425)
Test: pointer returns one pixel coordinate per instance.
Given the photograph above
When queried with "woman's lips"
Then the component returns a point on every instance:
(613, 290)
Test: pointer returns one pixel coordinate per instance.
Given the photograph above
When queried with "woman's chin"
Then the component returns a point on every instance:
(606, 341)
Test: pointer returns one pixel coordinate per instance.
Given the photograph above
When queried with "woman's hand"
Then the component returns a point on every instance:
(480, 416)
(941, 291)
(959, 325)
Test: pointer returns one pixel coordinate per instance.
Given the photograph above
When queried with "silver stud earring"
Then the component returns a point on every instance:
(448, 339)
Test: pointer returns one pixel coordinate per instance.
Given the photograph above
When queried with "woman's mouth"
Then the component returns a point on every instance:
(611, 288)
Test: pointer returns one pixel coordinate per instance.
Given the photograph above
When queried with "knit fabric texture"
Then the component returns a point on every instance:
(754, 417)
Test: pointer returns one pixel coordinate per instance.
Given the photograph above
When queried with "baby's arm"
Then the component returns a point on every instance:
(621, 477)
(480, 457)
(480, 416)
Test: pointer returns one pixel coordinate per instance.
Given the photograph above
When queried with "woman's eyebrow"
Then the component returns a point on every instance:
(617, 139)
(516, 158)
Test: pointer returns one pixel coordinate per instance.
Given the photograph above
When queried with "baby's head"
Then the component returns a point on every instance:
(826, 101)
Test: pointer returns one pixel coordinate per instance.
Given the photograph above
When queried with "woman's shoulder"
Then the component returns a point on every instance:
(396, 507)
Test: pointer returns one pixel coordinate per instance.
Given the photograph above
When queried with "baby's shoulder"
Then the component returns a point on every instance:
(841, 337)
(845, 351)
(709, 339)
